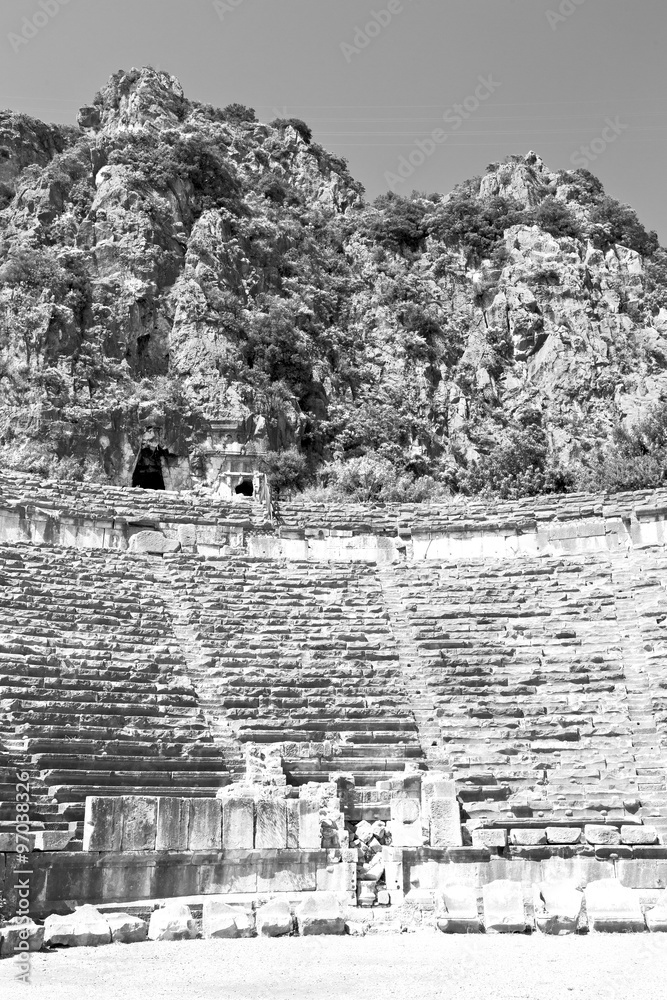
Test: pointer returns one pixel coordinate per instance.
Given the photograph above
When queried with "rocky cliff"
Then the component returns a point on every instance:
(166, 266)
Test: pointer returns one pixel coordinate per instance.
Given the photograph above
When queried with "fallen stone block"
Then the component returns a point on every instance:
(173, 922)
(656, 917)
(274, 919)
(611, 907)
(20, 935)
(457, 910)
(127, 929)
(152, 543)
(219, 920)
(85, 928)
(557, 907)
(320, 914)
(504, 911)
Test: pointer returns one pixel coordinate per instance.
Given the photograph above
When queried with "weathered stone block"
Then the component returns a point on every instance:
(639, 835)
(271, 824)
(611, 907)
(341, 877)
(292, 807)
(457, 910)
(274, 919)
(103, 823)
(238, 824)
(491, 839)
(85, 928)
(173, 922)
(222, 921)
(310, 836)
(504, 910)
(607, 836)
(320, 914)
(445, 822)
(126, 929)
(152, 543)
(563, 835)
(656, 916)
(139, 823)
(20, 935)
(205, 828)
(525, 837)
(173, 824)
(557, 907)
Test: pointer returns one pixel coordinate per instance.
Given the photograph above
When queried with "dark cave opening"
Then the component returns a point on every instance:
(245, 489)
(148, 470)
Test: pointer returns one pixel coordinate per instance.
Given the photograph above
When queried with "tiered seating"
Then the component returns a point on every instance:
(463, 513)
(94, 500)
(95, 698)
(520, 686)
(299, 653)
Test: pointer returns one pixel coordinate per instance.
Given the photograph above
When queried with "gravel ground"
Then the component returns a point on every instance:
(420, 966)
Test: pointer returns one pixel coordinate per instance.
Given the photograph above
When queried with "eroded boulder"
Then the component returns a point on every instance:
(219, 920)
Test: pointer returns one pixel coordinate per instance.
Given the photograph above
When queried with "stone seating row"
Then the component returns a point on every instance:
(296, 652)
(88, 657)
(523, 677)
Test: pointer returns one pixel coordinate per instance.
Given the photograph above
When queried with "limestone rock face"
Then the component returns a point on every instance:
(85, 928)
(165, 266)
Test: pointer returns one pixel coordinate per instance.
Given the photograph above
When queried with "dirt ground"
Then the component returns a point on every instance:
(421, 966)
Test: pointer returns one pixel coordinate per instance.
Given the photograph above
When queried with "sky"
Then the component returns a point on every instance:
(581, 82)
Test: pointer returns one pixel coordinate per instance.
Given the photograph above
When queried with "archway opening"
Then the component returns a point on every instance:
(245, 489)
(148, 470)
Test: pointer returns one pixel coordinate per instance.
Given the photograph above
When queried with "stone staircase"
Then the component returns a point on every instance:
(300, 654)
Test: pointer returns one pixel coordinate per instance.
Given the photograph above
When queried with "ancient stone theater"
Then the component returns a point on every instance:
(351, 717)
